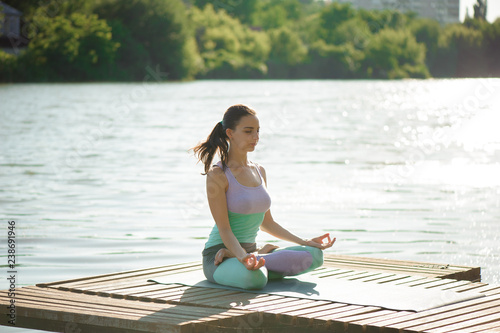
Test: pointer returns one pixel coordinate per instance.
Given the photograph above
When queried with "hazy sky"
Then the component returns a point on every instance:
(493, 10)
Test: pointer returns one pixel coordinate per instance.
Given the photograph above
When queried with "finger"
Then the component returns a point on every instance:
(217, 259)
(330, 244)
(251, 261)
(260, 263)
(327, 237)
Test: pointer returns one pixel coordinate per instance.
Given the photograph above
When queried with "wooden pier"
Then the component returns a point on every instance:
(126, 302)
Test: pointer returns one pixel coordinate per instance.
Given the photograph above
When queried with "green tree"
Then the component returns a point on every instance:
(461, 52)
(272, 14)
(395, 54)
(287, 47)
(227, 47)
(162, 28)
(287, 52)
(427, 32)
(328, 61)
(241, 9)
(8, 67)
(354, 31)
(331, 17)
(76, 48)
(492, 41)
(131, 56)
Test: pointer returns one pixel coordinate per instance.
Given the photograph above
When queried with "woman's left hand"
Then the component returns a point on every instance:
(321, 242)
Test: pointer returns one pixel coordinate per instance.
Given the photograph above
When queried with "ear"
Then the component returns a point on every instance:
(229, 132)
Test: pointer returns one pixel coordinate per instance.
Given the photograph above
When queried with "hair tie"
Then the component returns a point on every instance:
(221, 123)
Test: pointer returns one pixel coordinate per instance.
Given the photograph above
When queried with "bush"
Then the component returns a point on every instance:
(77, 48)
(392, 54)
(160, 31)
(227, 48)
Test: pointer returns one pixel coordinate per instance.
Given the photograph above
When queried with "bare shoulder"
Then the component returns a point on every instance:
(262, 170)
(217, 175)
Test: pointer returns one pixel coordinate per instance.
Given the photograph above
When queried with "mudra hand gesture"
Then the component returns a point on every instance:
(321, 242)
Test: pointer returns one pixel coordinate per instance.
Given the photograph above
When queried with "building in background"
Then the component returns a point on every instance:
(444, 11)
(10, 29)
(11, 23)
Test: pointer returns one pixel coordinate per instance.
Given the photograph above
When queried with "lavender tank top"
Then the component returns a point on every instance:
(246, 209)
(243, 199)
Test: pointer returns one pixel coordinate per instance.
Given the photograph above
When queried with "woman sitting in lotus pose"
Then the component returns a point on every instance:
(240, 205)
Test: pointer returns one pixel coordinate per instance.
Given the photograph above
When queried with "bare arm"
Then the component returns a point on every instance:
(273, 228)
(216, 192)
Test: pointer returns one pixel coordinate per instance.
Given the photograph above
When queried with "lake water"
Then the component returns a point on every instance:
(98, 177)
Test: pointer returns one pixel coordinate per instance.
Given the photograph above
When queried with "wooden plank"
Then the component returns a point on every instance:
(349, 313)
(131, 286)
(104, 303)
(430, 319)
(135, 289)
(304, 306)
(361, 276)
(410, 267)
(462, 322)
(338, 273)
(315, 309)
(377, 277)
(132, 273)
(272, 306)
(332, 311)
(77, 310)
(114, 280)
(122, 314)
(403, 318)
(493, 326)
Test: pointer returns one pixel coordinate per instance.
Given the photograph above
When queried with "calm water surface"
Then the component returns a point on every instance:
(98, 177)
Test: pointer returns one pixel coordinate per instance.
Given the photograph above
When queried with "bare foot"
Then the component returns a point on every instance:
(221, 254)
(267, 248)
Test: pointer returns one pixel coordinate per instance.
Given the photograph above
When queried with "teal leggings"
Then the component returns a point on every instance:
(288, 261)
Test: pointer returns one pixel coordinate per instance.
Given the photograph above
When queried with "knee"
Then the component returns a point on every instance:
(255, 279)
(317, 256)
(232, 273)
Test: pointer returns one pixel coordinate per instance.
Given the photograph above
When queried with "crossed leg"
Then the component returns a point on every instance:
(288, 261)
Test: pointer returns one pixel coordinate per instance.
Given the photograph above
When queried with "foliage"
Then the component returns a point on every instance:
(331, 17)
(395, 54)
(287, 47)
(427, 32)
(8, 64)
(161, 27)
(69, 49)
(242, 39)
(329, 61)
(243, 10)
(227, 47)
(461, 51)
(271, 14)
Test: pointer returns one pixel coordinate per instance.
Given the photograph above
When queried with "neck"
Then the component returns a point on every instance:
(236, 159)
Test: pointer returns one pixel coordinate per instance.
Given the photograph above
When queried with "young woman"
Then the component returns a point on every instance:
(239, 202)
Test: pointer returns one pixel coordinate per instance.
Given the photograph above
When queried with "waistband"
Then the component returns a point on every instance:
(212, 250)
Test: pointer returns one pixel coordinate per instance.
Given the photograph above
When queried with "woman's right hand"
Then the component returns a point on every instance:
(251, 263)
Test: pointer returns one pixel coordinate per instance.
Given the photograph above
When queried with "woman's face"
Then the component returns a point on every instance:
(246, 134)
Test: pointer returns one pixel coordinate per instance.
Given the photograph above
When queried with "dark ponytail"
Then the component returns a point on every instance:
(218, 140)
